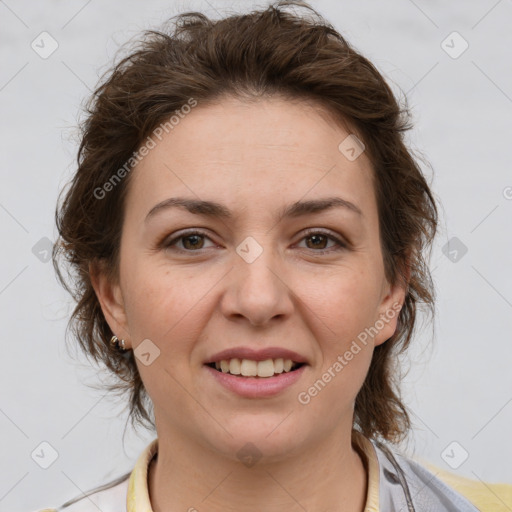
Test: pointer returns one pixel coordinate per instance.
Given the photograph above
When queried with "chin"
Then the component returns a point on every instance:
(262, 437)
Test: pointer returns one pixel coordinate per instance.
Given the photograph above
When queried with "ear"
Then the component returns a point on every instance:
(111, 300)
(393, 298)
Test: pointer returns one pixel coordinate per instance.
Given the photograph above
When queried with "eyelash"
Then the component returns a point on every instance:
(167, 244)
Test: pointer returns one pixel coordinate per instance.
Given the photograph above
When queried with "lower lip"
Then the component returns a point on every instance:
(257, 387)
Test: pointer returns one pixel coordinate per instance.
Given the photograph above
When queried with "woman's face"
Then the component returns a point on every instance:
(257, 275)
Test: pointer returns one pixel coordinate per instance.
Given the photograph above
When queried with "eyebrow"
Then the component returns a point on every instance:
(213, 209)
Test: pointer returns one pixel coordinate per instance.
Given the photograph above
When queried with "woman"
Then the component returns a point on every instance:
(248, 233)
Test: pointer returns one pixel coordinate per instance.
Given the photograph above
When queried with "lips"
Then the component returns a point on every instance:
(255, 387)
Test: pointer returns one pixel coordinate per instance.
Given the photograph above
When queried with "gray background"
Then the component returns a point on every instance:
(460, 382)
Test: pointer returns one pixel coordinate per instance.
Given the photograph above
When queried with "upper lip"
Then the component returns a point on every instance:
(256, 355)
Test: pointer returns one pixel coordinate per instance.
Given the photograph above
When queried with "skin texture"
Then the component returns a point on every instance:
(254, 158)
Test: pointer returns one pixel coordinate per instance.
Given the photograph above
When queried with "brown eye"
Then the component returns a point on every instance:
(318, 240)
(187, 242)
(192, 241)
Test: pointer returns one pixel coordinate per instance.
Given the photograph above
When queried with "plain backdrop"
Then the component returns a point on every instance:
(453, 62)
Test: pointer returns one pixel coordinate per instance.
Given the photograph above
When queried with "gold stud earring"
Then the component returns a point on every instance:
(118, 344)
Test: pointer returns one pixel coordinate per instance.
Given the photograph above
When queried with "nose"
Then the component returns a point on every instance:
(257, 291)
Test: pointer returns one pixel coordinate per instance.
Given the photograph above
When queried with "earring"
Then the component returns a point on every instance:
(119, 345)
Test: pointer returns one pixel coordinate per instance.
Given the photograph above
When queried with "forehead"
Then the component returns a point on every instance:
(269, 149)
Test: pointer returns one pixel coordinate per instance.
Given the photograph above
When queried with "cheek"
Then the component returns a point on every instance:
(351, 304)
(154, 299)
(146, 303)
(332, 391)
(346, 349)
(168, 306)
(350, 310)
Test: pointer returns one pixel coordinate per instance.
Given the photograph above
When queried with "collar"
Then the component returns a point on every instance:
(137, 499)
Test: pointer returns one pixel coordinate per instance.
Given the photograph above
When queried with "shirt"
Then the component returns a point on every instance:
(395, 483)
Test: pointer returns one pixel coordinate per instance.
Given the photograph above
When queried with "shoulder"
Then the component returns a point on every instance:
(488, 497)
(110, 497)
(483, 496)
(114, 495)
(406, 483)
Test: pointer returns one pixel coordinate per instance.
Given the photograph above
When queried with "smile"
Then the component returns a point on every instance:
(254, 386)
(251, 368)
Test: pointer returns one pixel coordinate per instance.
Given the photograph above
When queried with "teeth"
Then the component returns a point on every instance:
(266, 368)
(249, 368)
(234, 366)
(279, 365)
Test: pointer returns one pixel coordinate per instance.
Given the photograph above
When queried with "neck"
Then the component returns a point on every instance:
(328, 476)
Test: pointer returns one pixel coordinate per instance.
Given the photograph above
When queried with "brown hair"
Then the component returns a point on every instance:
(262, 53)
